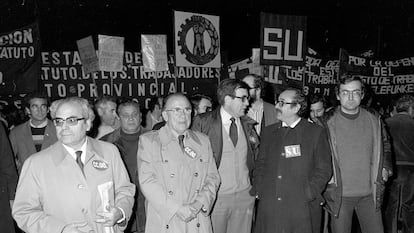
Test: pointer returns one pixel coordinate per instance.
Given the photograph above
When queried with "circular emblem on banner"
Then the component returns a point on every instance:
(203, 31)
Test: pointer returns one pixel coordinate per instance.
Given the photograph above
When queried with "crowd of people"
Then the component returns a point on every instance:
(296, 165)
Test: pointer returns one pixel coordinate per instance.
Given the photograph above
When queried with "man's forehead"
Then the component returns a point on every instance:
(287, 95)
(38, 101)
(177, 101)
(249, 80)
(241, 91)
(69, 109)
(353, 85)
(317, 105)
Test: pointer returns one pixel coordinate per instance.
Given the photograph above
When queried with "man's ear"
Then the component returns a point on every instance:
(99, 110)
(164, 115)
(27, 110)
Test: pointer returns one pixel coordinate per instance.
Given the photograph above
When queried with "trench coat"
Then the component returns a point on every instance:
(169, 178)
(53, 191)
(290, 187)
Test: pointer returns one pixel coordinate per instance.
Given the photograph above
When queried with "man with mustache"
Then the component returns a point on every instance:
(292, 170)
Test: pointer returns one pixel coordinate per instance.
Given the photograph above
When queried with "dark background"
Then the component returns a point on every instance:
(384, 26)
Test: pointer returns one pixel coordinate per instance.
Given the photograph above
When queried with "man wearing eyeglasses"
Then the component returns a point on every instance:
(292, 170)
(262, 112)
(177, 173)
(362, 164)
(235, 145)
(78, 184)
(201, 104)
(37, 133)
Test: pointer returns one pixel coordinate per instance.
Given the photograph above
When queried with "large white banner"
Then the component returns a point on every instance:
(197, 39)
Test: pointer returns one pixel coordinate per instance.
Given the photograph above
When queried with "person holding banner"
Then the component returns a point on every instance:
(177, 173)
(78, 184)
(362, 164)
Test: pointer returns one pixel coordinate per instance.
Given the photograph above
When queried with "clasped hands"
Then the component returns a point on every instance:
(189, 211)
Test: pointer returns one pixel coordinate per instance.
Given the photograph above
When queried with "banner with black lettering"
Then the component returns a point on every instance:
(282, 40)
(385, 78)
(62, 76)
(20, 60)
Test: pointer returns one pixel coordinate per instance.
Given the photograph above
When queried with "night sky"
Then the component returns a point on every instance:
(383, 26)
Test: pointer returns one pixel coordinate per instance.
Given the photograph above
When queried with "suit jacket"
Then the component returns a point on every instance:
(53, 192)
(8, 182)
(22, 141)
(210, 123)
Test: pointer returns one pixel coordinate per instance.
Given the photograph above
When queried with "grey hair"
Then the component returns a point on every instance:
(87, 111)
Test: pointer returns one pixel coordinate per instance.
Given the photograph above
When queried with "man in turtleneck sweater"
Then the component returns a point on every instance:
(126, 139)
(359, 155)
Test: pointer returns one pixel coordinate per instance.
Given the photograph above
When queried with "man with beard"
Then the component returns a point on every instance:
(262, 112)
(292, 170)
(235, 146)
(126, 139)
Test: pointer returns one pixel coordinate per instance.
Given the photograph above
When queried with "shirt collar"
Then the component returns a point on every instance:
(225, 116)
(82, 148)
(42, 125)
(293, 125)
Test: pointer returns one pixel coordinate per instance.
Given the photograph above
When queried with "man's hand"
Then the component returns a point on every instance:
(185, 213)
(195, 207)
(386, 174)
(109, 218)
(73, 227)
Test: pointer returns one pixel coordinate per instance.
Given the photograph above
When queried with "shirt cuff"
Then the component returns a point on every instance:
(123, 215)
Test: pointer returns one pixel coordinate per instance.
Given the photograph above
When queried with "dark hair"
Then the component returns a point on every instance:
(104, 100)
(130, 102)
(152, 103)
(34, 95)
(317, 98)
(347, 78)
(228, 87)
(404, 103)
(299, 98)
(196, 99)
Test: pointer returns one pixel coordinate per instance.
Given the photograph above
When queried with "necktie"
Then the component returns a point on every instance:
(233, 131)
(181, 141)
(78, 159)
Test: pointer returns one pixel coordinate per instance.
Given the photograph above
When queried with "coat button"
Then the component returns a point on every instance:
(282, 154)
(81, 186)
(198, 224)
(166, 161)
(201, 160)
(196, 174)
(85, 211)
(170, 192)
(279, 177)
(279, 198)
(172, 175)
(197, 191)
(166, 226)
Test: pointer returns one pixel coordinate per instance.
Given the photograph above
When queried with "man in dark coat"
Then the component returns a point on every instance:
(292, 170)
(126, 139)
(234, 154)
(8, 182)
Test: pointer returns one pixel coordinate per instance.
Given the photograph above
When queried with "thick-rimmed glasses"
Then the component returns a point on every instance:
(282, 102)
(346, 93)
(71, 121)
(242, 98)
(177, 111)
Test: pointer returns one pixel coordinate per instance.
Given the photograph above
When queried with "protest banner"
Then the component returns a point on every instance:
(154, 52)
(62, 75)
(197, 39)
(87, 53)
(385, 78)
(282, 40)
(111, 50)
(20, 60)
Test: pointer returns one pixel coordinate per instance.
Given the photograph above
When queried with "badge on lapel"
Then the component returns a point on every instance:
(190, 152)
(100, 165)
